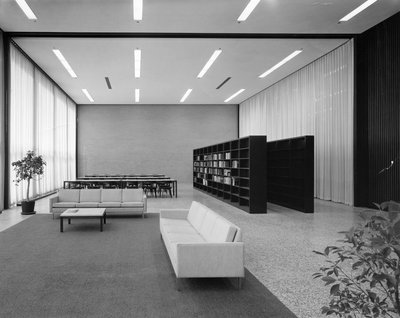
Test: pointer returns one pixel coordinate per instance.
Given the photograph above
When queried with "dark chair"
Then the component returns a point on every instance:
(165, 187)
(150, 187)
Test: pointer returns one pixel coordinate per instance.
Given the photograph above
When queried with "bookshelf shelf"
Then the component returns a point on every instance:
(234, 171)
(290, 173)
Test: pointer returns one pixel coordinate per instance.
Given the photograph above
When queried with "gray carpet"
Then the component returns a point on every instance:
(121, 272)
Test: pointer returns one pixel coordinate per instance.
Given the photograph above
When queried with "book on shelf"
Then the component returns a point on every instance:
(227, 155)
(235, 164)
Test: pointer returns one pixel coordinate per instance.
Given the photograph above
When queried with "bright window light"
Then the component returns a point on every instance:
(64, 62)
(234, 95)
(209, 63)
(27, 10)
(357, 10)
(90, 98)
(248, 10)
(138, 58)
(186, 95)
(285, 60)
(137, 95)
(137, 10)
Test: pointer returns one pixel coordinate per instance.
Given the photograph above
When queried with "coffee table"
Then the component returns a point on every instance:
(83, 213)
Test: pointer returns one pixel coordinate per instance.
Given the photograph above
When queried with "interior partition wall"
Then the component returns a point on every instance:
(316, 100)
(41, 118)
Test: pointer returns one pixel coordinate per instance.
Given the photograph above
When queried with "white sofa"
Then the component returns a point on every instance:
(116, 201)
(201, 243)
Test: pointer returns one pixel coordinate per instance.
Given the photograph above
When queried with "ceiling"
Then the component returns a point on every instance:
(170, 66)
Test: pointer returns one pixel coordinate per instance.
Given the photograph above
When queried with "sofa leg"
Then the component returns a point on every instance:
(239, 283)
(178, 284)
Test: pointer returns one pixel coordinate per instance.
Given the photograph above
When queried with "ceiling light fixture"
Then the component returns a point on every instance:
(64, 62)
(186, 95)
(137, 95)
(357, 10)
(90, 98)
(108, 83)
(209, 63)
(27, 10)
(138, 58)
(137, 10)
(234, 95)
(285, 60)
(248, 10)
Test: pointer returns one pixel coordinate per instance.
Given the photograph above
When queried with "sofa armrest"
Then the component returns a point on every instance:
(210, 259)
(51, 203)
(174, 213)
(145, 203)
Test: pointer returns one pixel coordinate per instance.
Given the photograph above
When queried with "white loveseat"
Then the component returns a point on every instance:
(201, 243)
(116, 201)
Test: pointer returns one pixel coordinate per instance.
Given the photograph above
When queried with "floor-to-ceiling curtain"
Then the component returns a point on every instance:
(316, 100)
(42, 118)
(2, 124)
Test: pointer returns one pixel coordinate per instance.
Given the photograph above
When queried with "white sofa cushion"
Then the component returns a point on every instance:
(111, 195)
(87, 204)
(185, 228)
(68, 195)
(185, 237)
(196, 215)
(132, 195)
(222, 231)
(208, 225)
(132, 204)
(65, 204)
(90, 195)
(109, 204)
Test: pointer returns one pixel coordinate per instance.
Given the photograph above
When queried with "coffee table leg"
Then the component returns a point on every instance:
(105, 217)
(69, 221)
(101, 224)
(61, 224)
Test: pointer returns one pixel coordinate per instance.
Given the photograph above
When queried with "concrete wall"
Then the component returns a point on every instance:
(123, 139)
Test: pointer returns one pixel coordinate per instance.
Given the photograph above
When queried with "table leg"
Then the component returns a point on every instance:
(69, 221)
(176, 189)
(101, 224)
(105, 217)
(61, 224)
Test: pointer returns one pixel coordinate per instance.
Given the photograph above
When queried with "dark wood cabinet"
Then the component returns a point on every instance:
(234, 171)
(290, 173)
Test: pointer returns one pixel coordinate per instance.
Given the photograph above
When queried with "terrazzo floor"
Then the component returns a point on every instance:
(278, 245)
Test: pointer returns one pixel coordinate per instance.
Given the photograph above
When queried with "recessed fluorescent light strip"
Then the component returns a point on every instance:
(285, 60)
(248, 10)
(27, 10)
(137, 10)
(138, 58)
(209, 63)
(234, 95)
(137, 95)
(186, 95)
(90, 98)
(64, 62)
(357, 10)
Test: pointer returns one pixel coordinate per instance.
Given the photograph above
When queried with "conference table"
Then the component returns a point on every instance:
(120, 183)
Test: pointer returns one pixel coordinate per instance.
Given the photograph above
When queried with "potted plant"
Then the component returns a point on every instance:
(26, 169)
(363, 274)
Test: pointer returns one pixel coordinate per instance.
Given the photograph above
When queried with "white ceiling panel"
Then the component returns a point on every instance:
(170, 66)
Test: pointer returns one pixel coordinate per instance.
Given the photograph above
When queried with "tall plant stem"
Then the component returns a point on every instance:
(27, 190)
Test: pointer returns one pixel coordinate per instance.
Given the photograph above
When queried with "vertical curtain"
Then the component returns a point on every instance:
(2, 124)
(316, 100)
(42, 118)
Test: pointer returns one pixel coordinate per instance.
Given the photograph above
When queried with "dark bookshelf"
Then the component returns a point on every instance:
(290, 173)
(234, 171)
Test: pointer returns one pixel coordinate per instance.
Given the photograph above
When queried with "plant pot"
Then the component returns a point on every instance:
(28, 207)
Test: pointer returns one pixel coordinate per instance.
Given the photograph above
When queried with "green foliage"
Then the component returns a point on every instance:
(27, 168)
(363, 275)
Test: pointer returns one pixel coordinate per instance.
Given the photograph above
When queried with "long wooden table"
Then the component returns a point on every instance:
(120, 183)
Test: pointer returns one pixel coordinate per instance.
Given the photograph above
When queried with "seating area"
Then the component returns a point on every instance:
(115, 201)
(200, 243)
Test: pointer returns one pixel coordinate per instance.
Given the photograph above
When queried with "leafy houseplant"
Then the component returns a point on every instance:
(26, 169)
(364, 274)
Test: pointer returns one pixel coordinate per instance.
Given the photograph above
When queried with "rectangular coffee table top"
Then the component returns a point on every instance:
(83, 212)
